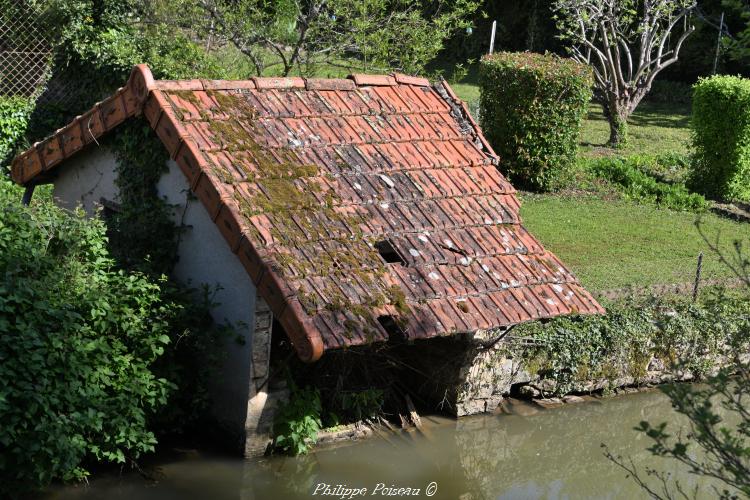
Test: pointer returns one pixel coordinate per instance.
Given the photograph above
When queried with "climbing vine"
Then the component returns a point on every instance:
(14, 116)
(143, 234)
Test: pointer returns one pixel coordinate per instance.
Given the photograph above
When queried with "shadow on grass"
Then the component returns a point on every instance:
(666, 116)
(651, 115)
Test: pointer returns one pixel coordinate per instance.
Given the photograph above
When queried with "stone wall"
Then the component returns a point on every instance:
(490, 374)
(265, 397)
(472, 374)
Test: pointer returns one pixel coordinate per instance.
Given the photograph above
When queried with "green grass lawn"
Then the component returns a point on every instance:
(469, 92)
(613, 244)
(653, 128)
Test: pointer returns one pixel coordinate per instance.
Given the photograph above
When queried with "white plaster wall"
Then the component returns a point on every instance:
(205, 258)
(86, 178)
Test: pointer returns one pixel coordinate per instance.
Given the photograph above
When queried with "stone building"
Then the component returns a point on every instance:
(353, 211)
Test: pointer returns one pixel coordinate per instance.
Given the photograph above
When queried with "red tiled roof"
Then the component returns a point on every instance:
(308, 178)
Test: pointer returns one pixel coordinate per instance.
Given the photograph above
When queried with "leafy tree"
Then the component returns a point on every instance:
(97, 43)
(627, 43)
(280, 37)
(738, 46)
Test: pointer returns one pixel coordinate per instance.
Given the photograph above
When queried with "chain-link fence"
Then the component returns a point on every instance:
(25, 52)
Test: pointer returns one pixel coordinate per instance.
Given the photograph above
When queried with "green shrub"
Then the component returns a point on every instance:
(14, 117)
(721, 137)
(191, 361)
(531, 107)
(635, 178)
(298, 421)
(358, 405)
(77, 338)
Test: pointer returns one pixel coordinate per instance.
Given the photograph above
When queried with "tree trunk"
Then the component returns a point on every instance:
(617, 115)
(618, 131)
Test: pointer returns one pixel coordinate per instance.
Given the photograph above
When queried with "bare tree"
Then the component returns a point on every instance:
(627, 43)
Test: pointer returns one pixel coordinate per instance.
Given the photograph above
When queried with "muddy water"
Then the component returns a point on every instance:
(532, 453)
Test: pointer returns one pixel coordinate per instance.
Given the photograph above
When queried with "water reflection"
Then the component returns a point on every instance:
(546, 454)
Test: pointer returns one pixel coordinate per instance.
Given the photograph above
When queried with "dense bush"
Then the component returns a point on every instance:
(721, 137)
(686, 335)
(14, 116)
(635, 177)
(531, 107)
(77, 338)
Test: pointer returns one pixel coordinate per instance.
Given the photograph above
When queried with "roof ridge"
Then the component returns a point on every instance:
(126, 102)
(295, 82)
(459, 107)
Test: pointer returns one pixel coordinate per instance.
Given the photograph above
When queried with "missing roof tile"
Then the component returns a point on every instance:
(391, 327)
(389, 253)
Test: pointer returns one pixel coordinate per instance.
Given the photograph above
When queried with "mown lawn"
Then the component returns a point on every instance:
(613, 244)
(653, 128)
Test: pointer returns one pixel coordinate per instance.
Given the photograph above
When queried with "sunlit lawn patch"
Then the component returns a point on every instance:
(653, 128)
(616, 243)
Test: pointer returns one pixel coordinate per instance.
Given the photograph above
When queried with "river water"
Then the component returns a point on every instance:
(530, 453)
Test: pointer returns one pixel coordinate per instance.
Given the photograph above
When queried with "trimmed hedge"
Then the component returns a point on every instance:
(721, 138)
(531, 107)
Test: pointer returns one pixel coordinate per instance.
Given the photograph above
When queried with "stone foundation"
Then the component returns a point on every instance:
(261, 411)
(474, 373)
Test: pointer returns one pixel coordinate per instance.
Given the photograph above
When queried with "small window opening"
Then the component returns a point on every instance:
(389, 254)
(392, 328)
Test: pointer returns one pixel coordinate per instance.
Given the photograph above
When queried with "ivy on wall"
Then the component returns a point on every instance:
(682, 335)
(142, 233)
(144, 237)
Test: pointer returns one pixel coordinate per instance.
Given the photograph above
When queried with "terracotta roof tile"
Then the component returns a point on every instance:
(311, 181)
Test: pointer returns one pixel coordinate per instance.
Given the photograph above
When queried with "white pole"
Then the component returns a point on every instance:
(492, 36)
(718, 42)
